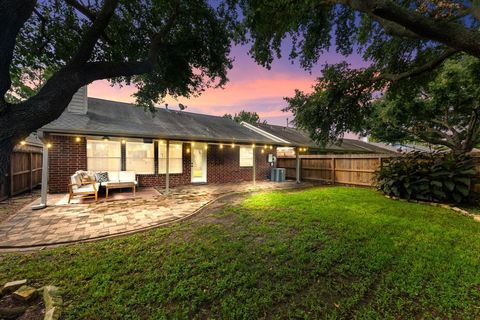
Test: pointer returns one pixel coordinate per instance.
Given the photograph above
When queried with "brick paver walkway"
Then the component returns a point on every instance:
(61, 224)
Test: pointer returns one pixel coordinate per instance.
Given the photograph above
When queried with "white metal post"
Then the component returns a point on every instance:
(297, 166)
(43, 202)
(254, 171)
(167, 169)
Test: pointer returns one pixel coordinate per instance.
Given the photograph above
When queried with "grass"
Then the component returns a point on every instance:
(335, 253)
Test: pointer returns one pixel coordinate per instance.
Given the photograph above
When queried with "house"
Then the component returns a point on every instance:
(101, 135)
(300, 140)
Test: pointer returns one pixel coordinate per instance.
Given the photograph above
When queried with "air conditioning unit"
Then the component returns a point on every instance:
(278, 174)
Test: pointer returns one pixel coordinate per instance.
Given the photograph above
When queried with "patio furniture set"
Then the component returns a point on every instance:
(87, 183)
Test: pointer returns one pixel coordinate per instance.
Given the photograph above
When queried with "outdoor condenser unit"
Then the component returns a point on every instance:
(278, 174)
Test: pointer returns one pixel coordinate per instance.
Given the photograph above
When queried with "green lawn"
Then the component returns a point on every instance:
(319, 253)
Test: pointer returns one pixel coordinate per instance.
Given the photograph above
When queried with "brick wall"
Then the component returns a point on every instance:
(223, 165)
(67, 156)
(155, 180)
(64, 158)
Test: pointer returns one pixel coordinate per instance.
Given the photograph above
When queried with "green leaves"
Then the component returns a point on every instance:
(192, 53)
(339, 103)
(440, 177)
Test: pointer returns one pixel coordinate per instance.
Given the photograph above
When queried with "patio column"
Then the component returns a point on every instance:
(167, 169)
(297, 165)
(254, 164)
(43, 202)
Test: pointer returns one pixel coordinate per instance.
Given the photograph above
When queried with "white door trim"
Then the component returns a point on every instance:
(199, 175)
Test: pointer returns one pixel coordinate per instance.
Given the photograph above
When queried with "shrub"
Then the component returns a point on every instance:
(440, 177)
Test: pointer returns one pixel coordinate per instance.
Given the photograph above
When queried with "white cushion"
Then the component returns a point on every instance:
(113, 176)
(126, 176)
(88, 188)
(76, 180)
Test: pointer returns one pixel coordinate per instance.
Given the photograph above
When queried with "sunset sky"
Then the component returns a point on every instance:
(251, 87)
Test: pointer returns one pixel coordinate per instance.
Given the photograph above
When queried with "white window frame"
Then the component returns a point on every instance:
(149, 167)
(103, 159)
(246, 161)
(162, 148)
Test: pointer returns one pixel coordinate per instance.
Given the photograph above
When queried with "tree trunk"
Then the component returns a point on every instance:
(6, 149)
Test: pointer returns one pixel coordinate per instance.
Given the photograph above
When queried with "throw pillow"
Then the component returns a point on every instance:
(101, 177)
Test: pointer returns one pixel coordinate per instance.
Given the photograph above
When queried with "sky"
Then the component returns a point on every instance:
(251, 87)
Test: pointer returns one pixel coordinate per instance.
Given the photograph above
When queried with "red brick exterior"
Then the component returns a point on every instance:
(155, 180)
(223, 165)
(64, 158)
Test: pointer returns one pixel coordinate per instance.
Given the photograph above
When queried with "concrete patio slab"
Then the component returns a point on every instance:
(62, 223)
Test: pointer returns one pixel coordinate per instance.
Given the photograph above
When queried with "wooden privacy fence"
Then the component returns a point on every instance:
(25, 173)
(352, 169)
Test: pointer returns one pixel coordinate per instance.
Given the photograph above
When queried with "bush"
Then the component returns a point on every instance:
(440, 177)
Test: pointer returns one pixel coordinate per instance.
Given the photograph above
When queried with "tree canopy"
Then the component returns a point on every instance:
(402, 42)
(49, 49)
(444, 111)
(247, 116)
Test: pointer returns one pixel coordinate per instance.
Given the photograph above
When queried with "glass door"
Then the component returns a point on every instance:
(199, 163)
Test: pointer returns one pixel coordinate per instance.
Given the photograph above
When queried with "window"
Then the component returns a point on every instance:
(139, 157)
(176, 161)
(103, 155)
(246, 156)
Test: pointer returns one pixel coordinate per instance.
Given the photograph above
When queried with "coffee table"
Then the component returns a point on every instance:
(120, 185)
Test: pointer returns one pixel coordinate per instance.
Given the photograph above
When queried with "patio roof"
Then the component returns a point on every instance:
(112, 118)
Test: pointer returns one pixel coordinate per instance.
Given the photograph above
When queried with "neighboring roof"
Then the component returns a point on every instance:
(113, 118)
(300, 138)
(33, 140)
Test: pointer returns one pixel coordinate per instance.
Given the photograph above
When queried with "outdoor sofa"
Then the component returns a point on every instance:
(88, 183)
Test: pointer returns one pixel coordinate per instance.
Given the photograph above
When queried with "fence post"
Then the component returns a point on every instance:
(31, 171)
(297, 165)
(333, 170)
(11, 175)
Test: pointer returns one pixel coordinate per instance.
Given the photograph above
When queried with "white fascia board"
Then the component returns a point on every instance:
(263, 133)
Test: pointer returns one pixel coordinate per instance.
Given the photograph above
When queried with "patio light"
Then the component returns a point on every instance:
(49, 145)
(124, 141)
(77, 139)
(253, 145)
(233, 145)
(263, 150)
(271, 147)
(187, 150)
(193, 144)
(221, 146)
(22, 142)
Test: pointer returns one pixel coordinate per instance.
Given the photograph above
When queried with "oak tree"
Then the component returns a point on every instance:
(51, 48)
(401, 42)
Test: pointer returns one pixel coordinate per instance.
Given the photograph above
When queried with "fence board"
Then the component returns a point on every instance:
(354, 169)
(25, 173)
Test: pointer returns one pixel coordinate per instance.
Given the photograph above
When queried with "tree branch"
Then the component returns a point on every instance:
(13, 15)
(91, 15)
(432, 64)
(94, 32)
(416, 25)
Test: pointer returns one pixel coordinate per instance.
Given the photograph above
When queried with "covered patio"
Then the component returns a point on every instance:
(62, 223)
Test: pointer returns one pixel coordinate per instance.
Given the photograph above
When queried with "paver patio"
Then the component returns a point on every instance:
(61, 223)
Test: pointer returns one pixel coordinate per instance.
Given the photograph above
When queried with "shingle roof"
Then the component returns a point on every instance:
(301, 138)
(113, 118)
